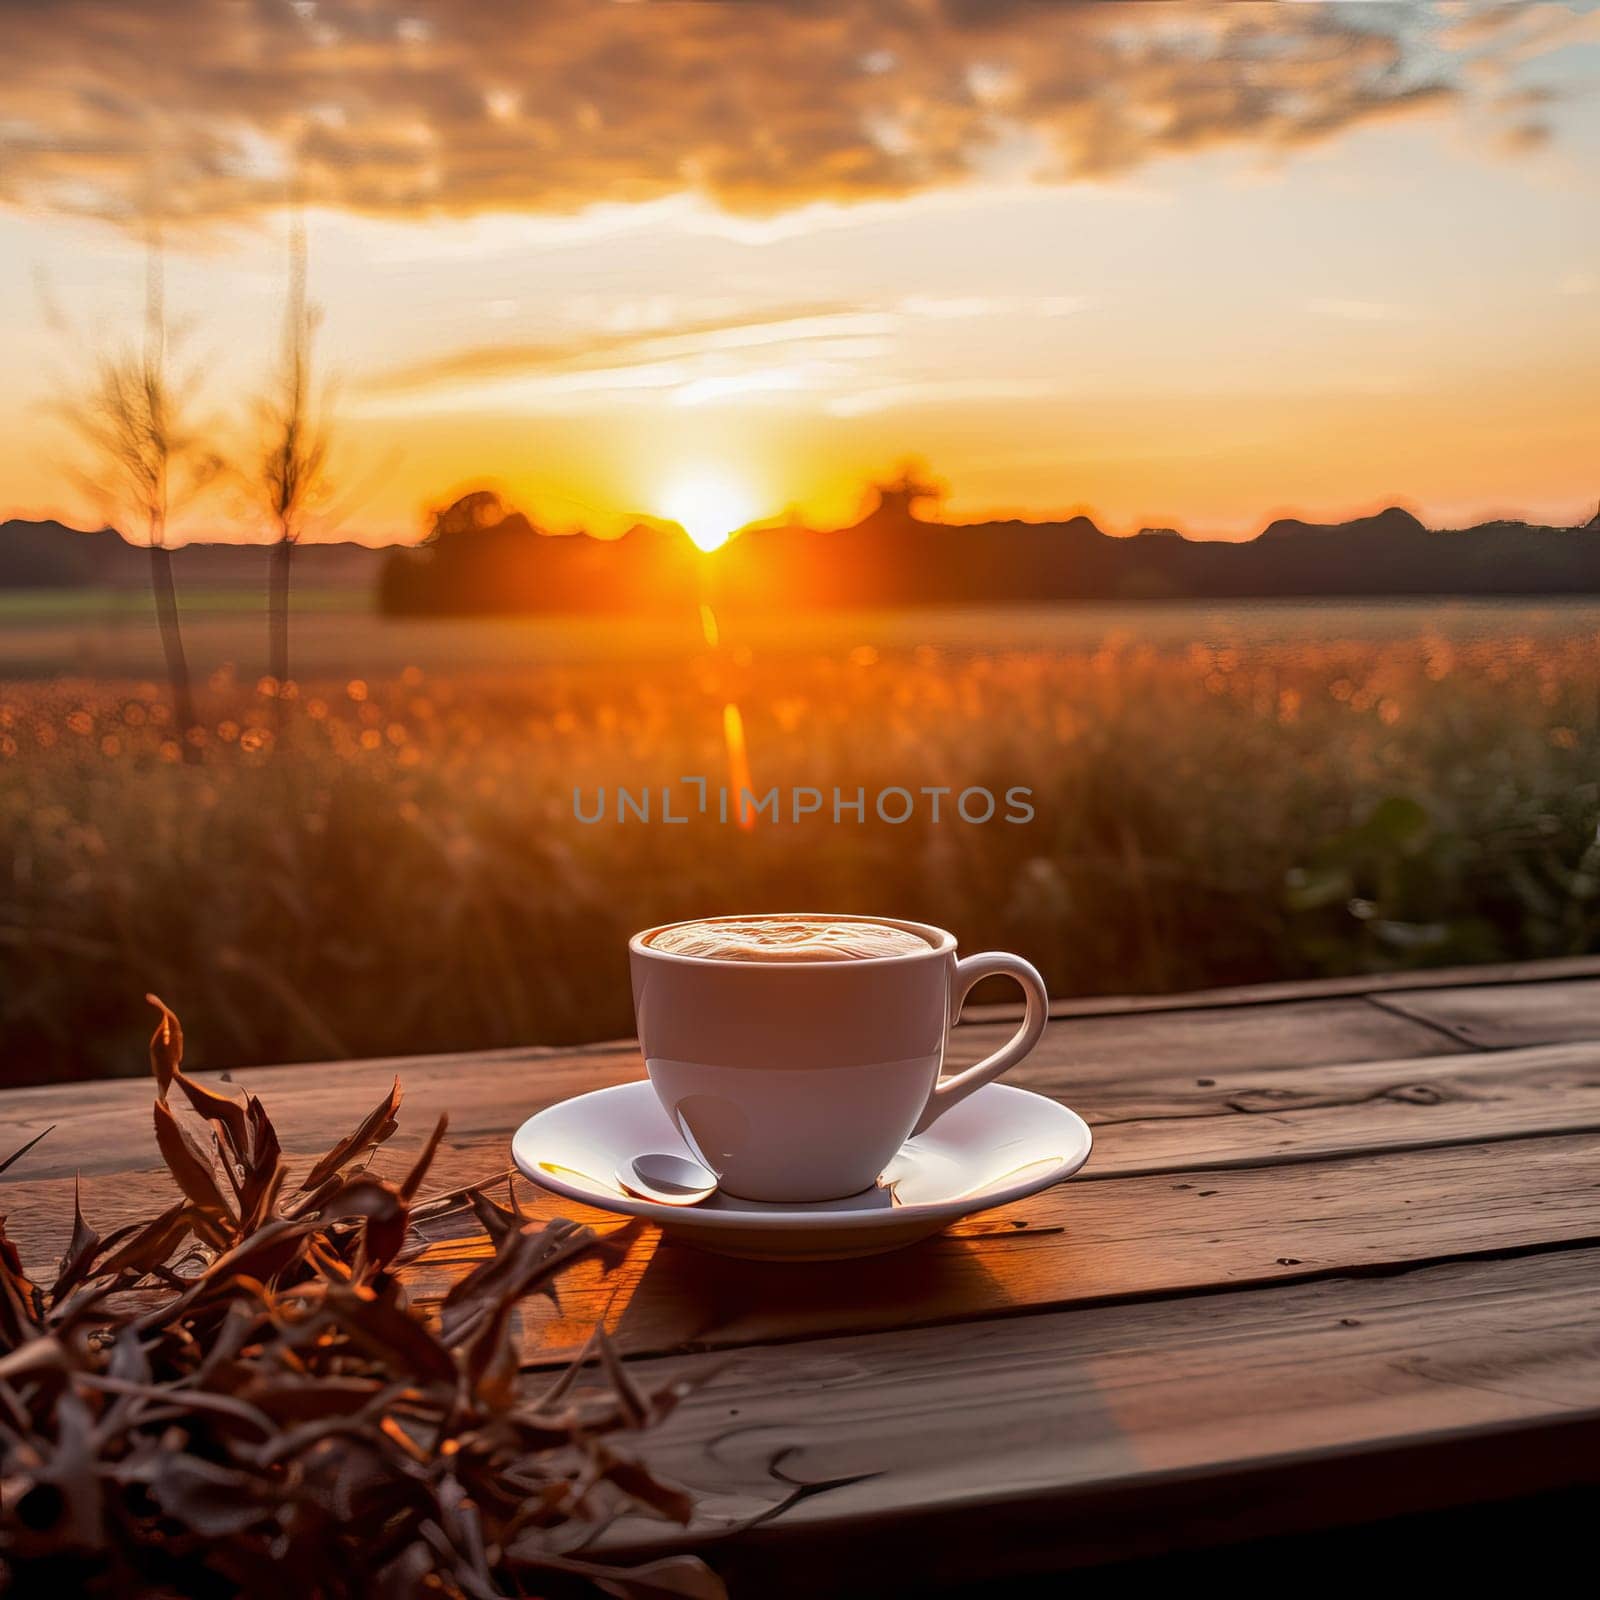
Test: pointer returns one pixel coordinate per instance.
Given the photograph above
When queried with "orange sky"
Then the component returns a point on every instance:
(1187, 265)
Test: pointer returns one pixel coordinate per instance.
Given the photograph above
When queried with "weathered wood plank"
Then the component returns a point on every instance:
(104, 1127)
(1183, 1124)
(1080, 1243)
(1178, 1092)
(1549, 969)
(1148, 1125)
(1090, 1242)
(1241, 1118)
(1159, 1119)
(1033, 1429)
(1307, 1145)
(1077, 1058)
(1500, 1019)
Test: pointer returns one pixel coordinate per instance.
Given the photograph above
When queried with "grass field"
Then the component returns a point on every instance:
(48, 634)
(390, 861)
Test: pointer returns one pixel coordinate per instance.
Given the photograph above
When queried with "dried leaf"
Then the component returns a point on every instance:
(377, 1324)
(36, 1356)
(638, 1483)
(69, 1467)
(80, 1251)
(188, 1163)
(23, 1149)
(379, 1203)
(497, 1222)
(214, 1501)
(129, 1363)
(378, 1125)
(419, 1168)
(634, 1404)
(360, 1196)
(300, 1399)
(257, 1198)
(262, 1255)
(151, 1245)
(490, 1357)
(21, 1305)
(520, 1262)
(166, 1046)
(263, 1168)
(204, 1402)
(230, 1115)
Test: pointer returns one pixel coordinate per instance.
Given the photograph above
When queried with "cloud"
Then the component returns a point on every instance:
(648, 347)
(1520, 30)
(704, 358)
(761, 355)
(407, 106)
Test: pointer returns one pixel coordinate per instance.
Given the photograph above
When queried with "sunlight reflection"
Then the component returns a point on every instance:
(738, 764)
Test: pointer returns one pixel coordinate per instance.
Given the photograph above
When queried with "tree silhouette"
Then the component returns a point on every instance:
(912, 487)
(293, 479)
(148, 458)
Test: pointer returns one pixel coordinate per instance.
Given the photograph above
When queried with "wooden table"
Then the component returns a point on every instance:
(1336, 1257)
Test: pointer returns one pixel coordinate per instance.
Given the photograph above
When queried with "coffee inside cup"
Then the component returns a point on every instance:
(786, 939)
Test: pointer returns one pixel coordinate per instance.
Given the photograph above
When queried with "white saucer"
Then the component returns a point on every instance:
(995, 1146)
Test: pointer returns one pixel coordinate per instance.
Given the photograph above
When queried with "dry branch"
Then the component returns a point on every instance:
(235, 1396)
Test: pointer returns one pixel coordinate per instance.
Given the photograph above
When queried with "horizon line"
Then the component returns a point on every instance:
(634, 520)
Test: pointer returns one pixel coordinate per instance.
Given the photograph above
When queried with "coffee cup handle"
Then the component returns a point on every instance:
(1036, 1010)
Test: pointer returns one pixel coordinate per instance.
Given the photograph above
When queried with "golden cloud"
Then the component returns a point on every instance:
(598, 351)
(400, 106)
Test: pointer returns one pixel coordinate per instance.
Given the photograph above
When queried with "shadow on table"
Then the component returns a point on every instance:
(686, 1298)
(656, 1297)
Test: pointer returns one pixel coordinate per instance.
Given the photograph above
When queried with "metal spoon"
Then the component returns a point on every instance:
(668, 1180)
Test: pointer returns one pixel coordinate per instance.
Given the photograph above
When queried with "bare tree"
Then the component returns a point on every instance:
(148, 460)
(294, 463)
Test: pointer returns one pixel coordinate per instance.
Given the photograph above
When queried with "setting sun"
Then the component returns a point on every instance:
(708, 508)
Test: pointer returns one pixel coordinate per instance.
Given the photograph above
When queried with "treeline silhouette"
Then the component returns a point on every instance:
(49, 555)
(483, 557)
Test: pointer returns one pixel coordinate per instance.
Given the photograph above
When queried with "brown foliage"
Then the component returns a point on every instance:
(234, 1396)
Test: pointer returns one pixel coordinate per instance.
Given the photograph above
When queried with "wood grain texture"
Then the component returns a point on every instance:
(1085, 1436)
(1100, 1047)
(1178, 1123)
(1501, 1019)
(1240, 1117)
(1086, 1243)
(1223, 1166)
(1150, 1116)
(1079, 1056)
(103, 1127)
(1335, 1255)
(1489, 975)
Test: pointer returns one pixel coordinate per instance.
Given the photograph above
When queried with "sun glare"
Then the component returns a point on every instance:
(708, 508)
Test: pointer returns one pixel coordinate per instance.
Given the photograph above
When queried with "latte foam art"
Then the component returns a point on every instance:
(787, 939)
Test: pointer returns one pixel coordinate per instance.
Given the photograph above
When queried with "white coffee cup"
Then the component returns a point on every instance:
(798, 1081)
